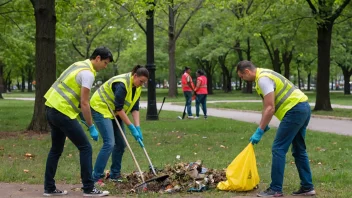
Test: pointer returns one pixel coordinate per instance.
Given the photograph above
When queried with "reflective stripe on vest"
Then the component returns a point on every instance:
(286, 83)
(60, 80)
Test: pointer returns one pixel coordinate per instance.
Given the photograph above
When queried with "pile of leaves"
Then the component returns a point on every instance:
(182, 178)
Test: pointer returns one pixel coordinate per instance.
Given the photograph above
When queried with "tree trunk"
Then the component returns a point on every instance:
(286, 59)
(298, 76)
(2, 85)
(45, 18)
(29, 78)
(347, 72)
(276, 61)
(322, 86)
(23, 81)
(172, 49)
(308, 80)
(8, 81)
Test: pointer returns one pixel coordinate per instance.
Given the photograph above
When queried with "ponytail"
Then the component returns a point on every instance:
(140, 71)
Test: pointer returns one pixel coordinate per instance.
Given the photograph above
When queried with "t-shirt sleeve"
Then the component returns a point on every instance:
(120, 93)
(266, 85)
(85, 78)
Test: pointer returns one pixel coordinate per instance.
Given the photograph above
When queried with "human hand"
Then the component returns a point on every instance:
(93, 132)
(140, 132)
(256, 136)
(134, 131)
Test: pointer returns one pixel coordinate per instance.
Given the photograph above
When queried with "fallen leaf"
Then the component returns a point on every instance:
(195, 144)
(25, 170)
(1, 148)
(158, 144)
(28, 155)
(334, 143)
(209, 148)
(292, 162)
(222, 146)
(319, 163)
(178, 137)
(195, 153)
(69, 155)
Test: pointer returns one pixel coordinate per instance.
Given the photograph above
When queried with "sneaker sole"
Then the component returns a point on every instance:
(53, 195)
(310, 193)
(95, 195)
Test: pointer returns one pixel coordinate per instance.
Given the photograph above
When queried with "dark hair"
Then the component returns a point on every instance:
(200, 72)
(140, 71)
(245, 64)
(103, 52)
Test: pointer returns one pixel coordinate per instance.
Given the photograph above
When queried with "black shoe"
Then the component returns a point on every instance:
(304, 192)
(95, 193)
(55, 192)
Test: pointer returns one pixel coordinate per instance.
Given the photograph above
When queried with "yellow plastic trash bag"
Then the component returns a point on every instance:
(242, 173)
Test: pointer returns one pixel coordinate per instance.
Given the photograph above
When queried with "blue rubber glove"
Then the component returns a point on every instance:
(134, 131)
(256, 136)
(140, 132)
(266, 128)
(93, 132)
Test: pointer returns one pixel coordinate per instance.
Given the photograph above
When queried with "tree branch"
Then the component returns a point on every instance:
(134, 17)
(250, 3)
(2, 4)
(189, 17)
(339, 10)
(79, 52)
(314, 10)
(346, 19)
(267, 46)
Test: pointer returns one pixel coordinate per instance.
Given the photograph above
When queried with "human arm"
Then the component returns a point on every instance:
(267, 87)
(189, 82)
(199, 82)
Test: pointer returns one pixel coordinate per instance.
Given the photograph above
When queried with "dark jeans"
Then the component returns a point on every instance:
(61, 127)
(292, 130)
(201, 99)
(113, 143)
(188, 96)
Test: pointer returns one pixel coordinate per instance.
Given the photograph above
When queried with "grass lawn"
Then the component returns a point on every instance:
(330, 154)
(257, 106)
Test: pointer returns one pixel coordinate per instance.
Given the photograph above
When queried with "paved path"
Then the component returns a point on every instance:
(337, 126)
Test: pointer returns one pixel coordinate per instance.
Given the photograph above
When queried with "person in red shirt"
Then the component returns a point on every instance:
(188, 88)
(201, 91)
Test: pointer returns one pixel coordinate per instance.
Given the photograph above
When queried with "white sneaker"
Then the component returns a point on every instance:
(190, 117)
(96, 193)
(196, 117)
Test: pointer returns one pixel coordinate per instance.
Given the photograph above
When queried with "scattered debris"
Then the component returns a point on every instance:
(183, 177)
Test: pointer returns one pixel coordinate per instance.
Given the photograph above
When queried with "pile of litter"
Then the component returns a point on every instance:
(183, 177)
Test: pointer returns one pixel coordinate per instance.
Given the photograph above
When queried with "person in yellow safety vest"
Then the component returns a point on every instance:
(201, 91)
(188, 89)
(122, 94)
(67, 97)
(290, 105)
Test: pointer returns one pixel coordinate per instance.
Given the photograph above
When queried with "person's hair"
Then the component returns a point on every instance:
(103, 52)
(245, 64)
(140, 71)
(200, 72)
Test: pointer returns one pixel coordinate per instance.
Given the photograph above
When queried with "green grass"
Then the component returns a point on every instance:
(257, 106)
(330, 154)
(15, 115)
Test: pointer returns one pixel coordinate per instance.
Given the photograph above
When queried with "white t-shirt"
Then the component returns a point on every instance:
(85, 78)
(266, 85)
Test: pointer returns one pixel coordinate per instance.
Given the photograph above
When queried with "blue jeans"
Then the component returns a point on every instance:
(292, 129)
(188, 96)
(113, 143)
(61, 127)
(201, 99)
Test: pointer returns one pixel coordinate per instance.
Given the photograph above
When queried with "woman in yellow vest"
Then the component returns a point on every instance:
(122, 94)
(289, 104)
(201, 91)
(66, 98)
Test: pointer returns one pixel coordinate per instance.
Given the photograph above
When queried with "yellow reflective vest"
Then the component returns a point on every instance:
(65, 94)
(287, 95)
(105, 94)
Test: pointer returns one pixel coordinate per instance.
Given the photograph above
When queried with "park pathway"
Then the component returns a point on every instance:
(317, 123)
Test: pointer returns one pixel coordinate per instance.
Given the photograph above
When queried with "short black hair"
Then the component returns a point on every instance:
(245, 64)
(200, 72)
(103, 52)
